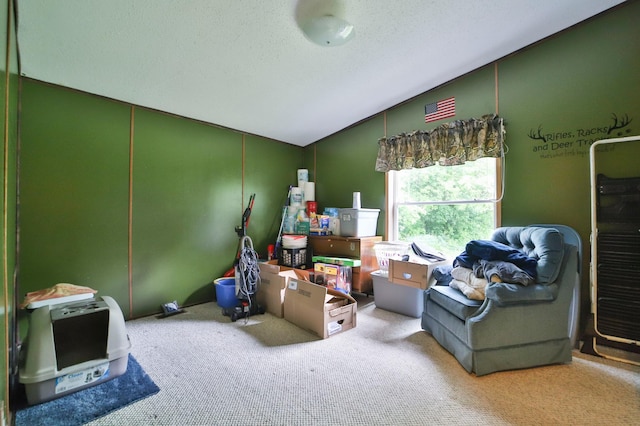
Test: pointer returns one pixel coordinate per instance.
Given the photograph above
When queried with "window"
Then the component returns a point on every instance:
(444, 207)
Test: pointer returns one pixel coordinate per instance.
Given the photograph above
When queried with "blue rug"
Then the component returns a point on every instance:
(91, 403)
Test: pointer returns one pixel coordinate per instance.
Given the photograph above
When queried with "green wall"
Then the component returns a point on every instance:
(5, 291)
(74, 171)
(177, 208)
(9, 95)
(568, 86)
(173, 233)
(269, 169)
(575, 83)
(343, 165)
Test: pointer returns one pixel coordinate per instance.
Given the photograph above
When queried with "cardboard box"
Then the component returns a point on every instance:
(273, 283)
(321, 310)
(412, 274)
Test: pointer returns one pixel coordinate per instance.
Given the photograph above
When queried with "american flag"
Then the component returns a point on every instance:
(439, 110)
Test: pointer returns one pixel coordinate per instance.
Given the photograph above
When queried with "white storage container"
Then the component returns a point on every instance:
(358, 222)
(387, 250)
(72, 346)
(397, 298)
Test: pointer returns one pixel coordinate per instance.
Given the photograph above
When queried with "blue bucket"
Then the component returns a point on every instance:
(226, 292)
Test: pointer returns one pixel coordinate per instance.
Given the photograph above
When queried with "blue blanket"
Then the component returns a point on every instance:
(492, 250)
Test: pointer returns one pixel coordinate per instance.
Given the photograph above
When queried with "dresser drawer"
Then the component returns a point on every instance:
(336, 246)
(352, 247)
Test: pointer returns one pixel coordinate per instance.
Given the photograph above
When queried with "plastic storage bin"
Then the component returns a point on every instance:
(358, 222)
(386, 250)
(397, 298)
(294, 257)
(72, 346)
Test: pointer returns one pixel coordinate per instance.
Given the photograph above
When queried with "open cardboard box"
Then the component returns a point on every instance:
(273, 283)
(413, 274)
(321, 310)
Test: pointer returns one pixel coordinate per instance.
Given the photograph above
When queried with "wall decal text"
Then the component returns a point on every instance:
(576, 142)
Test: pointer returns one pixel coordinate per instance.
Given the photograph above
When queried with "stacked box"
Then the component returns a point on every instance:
(321, 310)
(412, 274)
(273, 283)
(401, 290)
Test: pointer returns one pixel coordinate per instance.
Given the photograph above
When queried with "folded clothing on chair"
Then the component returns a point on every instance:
(476, 250)
(501, 271)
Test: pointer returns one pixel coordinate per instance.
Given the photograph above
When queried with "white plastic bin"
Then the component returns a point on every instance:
(386, 250)
(359, 222)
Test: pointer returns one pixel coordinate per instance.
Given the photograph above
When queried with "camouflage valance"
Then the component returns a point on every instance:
(449, 144)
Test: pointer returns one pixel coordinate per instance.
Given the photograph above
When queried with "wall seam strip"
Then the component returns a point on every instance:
(496, 88)
(243, 159)
(499, 164)
(130, 213)
(5, 213)
(386, 183)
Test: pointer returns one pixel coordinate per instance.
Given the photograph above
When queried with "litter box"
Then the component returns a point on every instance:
(72, 346)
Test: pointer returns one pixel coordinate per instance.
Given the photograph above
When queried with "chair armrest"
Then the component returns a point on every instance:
(516, 294)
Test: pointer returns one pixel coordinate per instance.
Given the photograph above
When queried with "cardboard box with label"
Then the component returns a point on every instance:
(412, 273)
(321, 310)
(273, 283)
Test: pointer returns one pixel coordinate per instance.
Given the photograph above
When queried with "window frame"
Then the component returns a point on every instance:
(391, 188)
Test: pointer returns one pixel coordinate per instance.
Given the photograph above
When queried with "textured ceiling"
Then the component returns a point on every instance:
(245, 64)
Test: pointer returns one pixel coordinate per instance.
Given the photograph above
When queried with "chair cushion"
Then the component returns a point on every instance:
(546, 245)
(454, 301)
(512, 294)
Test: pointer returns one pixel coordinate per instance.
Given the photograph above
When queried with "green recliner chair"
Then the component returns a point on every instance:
(515, 326)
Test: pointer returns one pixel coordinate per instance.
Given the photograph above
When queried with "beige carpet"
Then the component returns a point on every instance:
(386, 371)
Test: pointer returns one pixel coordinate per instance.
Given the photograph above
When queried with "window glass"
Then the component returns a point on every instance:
(444, 207)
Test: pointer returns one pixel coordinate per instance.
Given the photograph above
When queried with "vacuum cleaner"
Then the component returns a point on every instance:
(247, 276)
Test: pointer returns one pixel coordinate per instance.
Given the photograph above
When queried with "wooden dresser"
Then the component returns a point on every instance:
(354, 248)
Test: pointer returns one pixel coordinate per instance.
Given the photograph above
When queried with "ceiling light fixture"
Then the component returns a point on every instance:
(328, 30)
